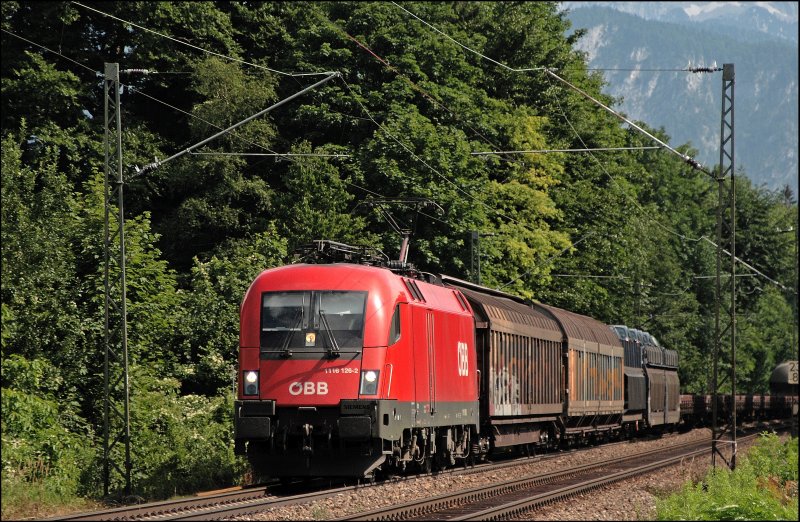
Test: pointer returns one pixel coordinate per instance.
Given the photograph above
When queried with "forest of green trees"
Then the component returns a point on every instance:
(616, 235)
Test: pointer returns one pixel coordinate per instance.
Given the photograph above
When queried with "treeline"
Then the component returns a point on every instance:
(615, 235)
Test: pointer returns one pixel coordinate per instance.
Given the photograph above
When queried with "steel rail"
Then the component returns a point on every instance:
(166, 507)
(516, 507)
(425, 508)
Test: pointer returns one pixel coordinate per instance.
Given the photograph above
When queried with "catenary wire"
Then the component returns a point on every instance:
(505, 67)
(189, 114)
(97, 73)
(294, 74)
(550, 73)
(137, 91)
(197, 47)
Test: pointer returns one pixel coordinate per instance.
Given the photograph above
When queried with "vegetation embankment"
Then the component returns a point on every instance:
(762, 487)
(612, 235)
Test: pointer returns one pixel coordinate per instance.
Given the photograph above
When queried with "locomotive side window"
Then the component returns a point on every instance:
(394, 329)
(316, 321)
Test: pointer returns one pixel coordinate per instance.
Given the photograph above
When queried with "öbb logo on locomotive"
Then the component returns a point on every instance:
(308, 388)
(463, 359)
(349, 367)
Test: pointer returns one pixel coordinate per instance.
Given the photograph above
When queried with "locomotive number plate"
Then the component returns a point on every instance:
(341, 370)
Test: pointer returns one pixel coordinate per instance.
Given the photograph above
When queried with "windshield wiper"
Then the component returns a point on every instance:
(333, 346)
(287, 352)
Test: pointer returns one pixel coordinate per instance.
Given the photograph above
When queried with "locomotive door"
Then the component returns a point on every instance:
(431, 360)
(424, 363)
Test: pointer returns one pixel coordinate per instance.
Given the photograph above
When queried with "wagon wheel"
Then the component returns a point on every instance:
(439, 461)
(427, 464)
(475, 454)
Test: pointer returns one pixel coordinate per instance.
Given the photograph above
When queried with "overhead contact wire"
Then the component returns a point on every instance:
(199, 48)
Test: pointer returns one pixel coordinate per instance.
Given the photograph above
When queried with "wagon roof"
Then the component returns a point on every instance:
(506, 312)
(501, 308)
(570, 326)
(579, 327)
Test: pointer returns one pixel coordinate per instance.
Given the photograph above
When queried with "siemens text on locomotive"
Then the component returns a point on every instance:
(346, 369)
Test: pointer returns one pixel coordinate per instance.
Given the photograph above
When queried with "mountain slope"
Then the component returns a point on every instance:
(753, 21)
(649, 55)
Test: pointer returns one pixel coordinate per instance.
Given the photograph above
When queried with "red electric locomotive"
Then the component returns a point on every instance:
(345, 368)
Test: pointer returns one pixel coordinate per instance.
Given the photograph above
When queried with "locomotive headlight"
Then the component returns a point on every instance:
(369, 382)
(251, 382)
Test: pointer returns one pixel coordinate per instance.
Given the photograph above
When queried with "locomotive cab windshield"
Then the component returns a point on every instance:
(312, 322)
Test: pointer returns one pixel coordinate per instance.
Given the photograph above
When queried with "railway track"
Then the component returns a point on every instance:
(511, 498)
(217, 506)
(220, 505)
(168, 509)
(224, 505)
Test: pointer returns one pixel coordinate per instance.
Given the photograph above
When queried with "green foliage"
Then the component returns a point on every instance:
(181, 443)
(229, 96)
(40, 309)
(151, 286)
(41, 92)
(44, 450)
(315, 202)
(757, 490)
(209, 319)
(772, 458)
(221, 197)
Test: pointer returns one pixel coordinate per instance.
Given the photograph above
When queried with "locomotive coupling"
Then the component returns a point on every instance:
(308, 442)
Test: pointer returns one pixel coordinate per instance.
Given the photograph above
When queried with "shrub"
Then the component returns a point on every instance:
(760, 488)
(180, 444)
(44, 449)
